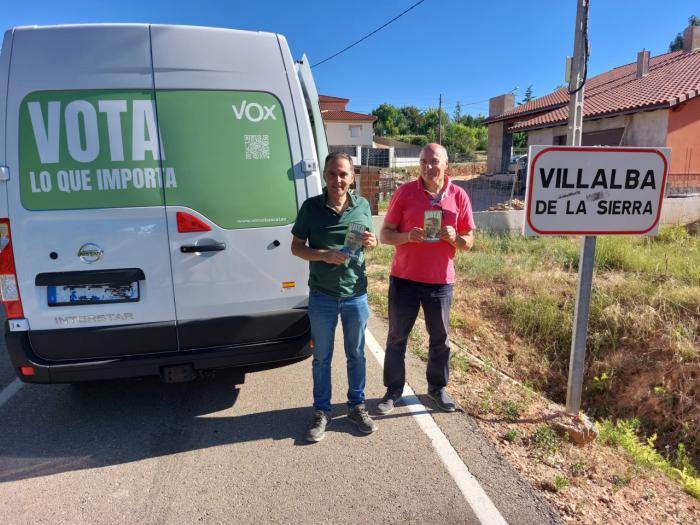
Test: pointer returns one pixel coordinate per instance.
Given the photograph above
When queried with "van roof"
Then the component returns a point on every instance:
(131, 24)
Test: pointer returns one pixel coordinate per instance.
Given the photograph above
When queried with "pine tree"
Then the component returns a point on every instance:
(528, 95)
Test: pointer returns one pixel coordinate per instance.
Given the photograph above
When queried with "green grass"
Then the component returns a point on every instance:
(674, 252)
(546, 440)
(511, 435)
(623, 433)
(540, 318)
(510, 410)
(560, 483)
(380, 255)
(481, 267)
(379, 301)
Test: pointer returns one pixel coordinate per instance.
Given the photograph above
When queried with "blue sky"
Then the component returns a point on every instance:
(468, 50)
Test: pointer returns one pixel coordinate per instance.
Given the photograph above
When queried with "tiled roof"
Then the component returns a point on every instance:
(326, 98)
(342, 116)
(553, 100)
(673, 78)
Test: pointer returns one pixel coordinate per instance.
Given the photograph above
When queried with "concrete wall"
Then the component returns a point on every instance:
(338, 134)
(647, 128)
(497, 142)
(333, 106)
(500, 141)
(542, 137)
(404, 162)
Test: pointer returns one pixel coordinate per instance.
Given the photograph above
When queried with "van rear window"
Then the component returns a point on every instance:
(224, 154)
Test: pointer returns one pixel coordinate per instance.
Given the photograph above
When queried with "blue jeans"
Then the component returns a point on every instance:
(405, 299)
(323, 314)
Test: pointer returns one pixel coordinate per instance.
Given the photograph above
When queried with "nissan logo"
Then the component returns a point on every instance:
(90, 253)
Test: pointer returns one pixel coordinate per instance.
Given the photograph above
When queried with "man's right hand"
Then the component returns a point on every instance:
(334, 257)
(416, 235)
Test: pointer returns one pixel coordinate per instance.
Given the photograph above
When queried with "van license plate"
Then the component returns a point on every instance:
(92, 294)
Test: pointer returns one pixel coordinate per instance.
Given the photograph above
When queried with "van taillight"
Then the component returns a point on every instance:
(8, 276)
(187, 223)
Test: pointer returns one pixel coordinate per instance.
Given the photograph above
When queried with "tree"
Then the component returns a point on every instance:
(431, 119)
(520, 140)
(412, 118)
(460, 141)
(457, 116)
(386, 123)
(482, 138)
(472, 122)
(528, 95)
(409, 124)
(677, 43)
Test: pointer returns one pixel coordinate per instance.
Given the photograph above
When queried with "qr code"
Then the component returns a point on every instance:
(257, 147)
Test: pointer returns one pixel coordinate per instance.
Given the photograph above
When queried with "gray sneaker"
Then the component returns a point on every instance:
(358, 415)
(319, 424)
(388, 402)
(442, 399)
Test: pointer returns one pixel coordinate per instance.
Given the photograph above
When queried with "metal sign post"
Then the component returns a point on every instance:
(587, 258)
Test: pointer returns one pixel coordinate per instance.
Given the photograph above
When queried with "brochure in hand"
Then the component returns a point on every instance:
(353, 240)
(432, 222)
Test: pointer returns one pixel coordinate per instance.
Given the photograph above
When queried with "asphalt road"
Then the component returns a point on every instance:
(212, 451)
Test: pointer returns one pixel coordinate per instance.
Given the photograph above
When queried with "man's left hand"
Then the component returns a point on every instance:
(449, 234)
(369, 240)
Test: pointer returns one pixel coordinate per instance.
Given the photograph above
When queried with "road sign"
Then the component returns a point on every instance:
(594, 190)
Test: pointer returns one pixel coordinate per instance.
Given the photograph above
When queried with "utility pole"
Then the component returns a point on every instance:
(440, 120)
(587, 257)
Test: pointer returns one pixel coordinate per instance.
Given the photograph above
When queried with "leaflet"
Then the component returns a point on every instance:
(353, 240)
(432, 222)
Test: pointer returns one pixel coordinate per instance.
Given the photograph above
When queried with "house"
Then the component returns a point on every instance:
(654, 101)
(343, 127)
(352, 133)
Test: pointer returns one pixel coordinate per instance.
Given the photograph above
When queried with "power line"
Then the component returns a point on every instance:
(368, 35)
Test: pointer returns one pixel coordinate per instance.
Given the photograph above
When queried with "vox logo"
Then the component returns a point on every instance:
(254, 112)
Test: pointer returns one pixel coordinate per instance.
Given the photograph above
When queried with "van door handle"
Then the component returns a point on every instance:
(219, 246)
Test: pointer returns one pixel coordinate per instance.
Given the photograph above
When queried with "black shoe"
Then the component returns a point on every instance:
(442, 399)
(358, 415)
(388, 402)
(317, 430)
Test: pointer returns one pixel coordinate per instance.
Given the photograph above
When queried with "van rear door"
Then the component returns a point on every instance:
(85, 194)
(230, 123)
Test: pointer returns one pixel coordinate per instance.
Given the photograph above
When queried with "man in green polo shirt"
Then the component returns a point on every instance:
(325, 234)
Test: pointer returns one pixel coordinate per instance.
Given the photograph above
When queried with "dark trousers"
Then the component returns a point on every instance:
(405, 299)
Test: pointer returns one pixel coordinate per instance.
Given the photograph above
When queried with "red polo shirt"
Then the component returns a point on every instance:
(423, 261)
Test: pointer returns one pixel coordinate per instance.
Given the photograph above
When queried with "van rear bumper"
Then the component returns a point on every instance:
(244, 356)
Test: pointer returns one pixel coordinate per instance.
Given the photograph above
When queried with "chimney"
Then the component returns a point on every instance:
(642, 64)
(691, 38)
(500, 104)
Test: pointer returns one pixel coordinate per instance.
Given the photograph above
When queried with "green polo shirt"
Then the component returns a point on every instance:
(323, 228)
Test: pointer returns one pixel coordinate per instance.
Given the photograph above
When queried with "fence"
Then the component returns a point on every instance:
(498, 192)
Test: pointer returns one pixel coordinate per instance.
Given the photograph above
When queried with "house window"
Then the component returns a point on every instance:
(355, 131)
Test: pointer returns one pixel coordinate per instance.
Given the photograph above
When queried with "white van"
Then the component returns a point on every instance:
(149, 179)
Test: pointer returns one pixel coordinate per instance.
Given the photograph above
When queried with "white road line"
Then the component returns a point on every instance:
(486, 512)
(10, 390)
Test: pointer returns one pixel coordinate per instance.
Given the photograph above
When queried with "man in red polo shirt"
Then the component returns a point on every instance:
(422, 272)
